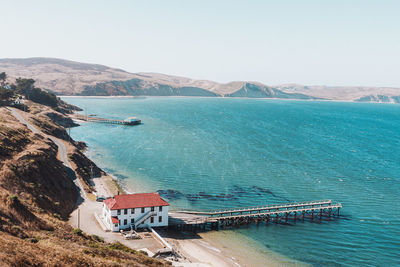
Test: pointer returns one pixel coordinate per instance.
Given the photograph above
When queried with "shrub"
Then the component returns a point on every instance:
(42, 97)
(13, 197)
(119, 246)
(33, 240)
(5, 94)
(16, 227)
(77, 231)
(143, 252)
(97, 238)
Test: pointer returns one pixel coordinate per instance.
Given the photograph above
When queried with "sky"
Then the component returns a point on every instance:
(321, 42)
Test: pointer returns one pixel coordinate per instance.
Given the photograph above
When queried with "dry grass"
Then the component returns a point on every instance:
(36, 194)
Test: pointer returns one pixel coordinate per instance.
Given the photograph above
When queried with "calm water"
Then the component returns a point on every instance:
(214, 153)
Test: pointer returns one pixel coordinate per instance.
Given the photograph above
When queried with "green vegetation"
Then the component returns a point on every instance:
(26, 88)
(42, 97)
(13, 198)
(3, 77)
(5, 93)
(36, 198)
(77, 231)
(119, 246)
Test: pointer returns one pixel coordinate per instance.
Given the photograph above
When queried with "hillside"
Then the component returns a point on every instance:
(65, 77)
(37, 195)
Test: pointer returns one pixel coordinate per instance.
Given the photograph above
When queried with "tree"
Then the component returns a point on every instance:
(5, 94)
(24, 86)
(42, 97)
(3, 77)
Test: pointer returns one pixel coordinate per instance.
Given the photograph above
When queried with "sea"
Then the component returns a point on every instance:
(214, 153)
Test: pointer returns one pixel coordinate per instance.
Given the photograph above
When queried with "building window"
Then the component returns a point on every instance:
(119, 212)
(152, 208)
(133, 211)
(160, 208)
(125, 221)
(152, 220)
(116, 225)
(132, 220)
(125, 211)
(142, 210)
(159, 218)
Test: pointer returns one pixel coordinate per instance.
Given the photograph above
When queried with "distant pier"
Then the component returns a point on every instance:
(282, 213)
(129, 121)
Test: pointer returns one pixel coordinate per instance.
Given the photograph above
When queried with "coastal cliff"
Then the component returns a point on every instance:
(37, 195)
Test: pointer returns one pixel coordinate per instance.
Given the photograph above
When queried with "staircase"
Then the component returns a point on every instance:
(144, 217)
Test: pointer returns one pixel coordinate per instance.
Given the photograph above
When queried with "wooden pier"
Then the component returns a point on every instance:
(129, 121)
(282, 213)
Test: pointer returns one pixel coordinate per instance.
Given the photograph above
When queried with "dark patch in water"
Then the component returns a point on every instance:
(170, 194)
(239, 191)
(192, 197)
(263, 190)
(204, 195)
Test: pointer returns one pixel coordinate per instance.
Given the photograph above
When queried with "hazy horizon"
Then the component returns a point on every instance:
(303, 42)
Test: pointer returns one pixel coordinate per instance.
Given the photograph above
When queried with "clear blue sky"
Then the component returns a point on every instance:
(342, 42)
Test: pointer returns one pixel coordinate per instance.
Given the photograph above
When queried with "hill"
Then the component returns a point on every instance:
(37, 195)
(65, 77)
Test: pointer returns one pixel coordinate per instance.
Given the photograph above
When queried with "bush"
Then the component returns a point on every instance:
(119, 246)
(42, 97)
(5, 94)
(16, 227)
(13, 198)
(33, 240)
(97, 238)
(77, 231)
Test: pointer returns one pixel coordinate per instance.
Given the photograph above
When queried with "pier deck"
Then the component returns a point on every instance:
(104, 120)
(237, 216)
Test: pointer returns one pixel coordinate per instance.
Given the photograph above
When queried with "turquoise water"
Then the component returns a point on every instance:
(215, 152)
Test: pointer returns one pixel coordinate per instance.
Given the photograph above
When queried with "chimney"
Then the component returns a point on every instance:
(118, 192)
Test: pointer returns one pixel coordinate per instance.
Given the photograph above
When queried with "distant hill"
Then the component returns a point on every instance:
(65, 77)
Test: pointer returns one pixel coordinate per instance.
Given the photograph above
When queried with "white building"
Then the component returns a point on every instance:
(135, 210)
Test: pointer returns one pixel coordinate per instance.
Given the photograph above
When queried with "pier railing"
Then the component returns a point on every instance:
(267, 213)
(256, 208)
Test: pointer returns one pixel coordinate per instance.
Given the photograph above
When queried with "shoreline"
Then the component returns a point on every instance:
(230, 97)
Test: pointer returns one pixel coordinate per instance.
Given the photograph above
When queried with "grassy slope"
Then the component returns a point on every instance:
(36, 196)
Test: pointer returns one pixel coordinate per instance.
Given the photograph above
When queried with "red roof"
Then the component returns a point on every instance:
(131, 201)
(114, 220)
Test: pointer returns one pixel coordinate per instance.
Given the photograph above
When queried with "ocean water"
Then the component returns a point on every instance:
(210, 153)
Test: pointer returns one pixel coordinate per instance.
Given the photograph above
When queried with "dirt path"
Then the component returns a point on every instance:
(62, 149)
